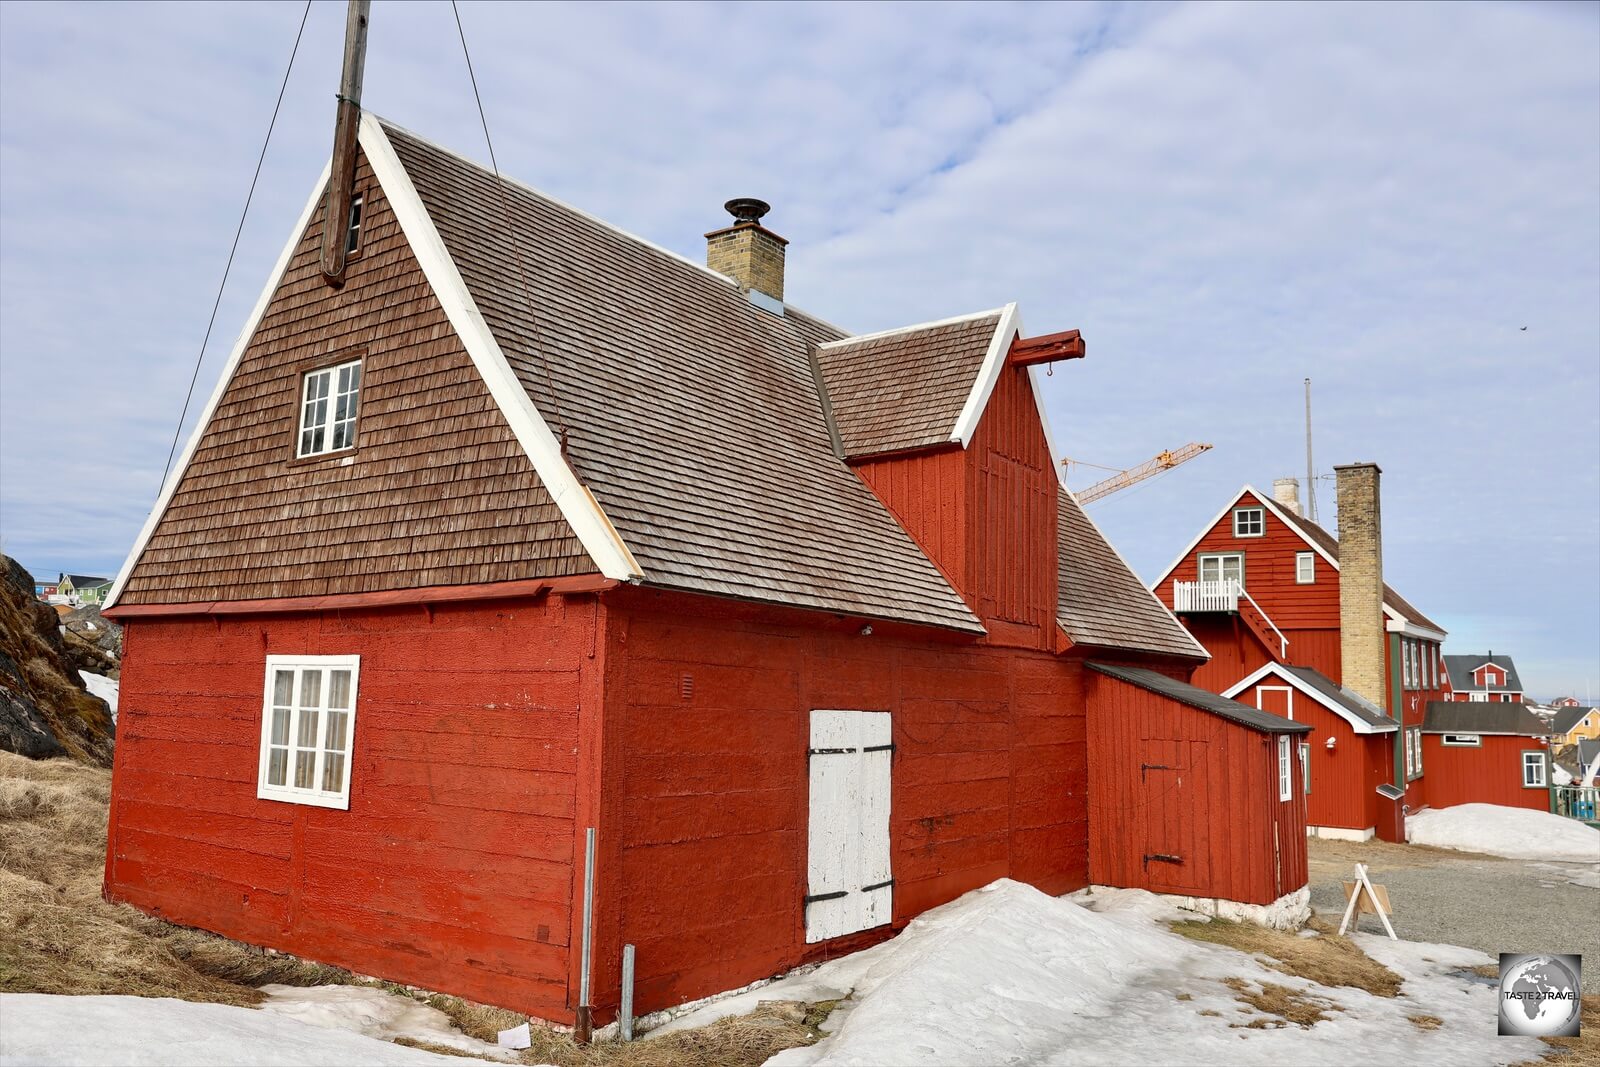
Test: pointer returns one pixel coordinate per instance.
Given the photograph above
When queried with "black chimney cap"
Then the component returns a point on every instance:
(747, 209)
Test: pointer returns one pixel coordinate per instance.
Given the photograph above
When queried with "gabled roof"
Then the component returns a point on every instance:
(1203, 699)
(1460, 668)
(1101, 602)
(1399, 610)
(1481, 717)
(1363, 715)
(1565, 719)
(83, 581)
(908, 388)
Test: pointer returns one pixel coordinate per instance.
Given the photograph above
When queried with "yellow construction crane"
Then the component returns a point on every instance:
(1165, 461)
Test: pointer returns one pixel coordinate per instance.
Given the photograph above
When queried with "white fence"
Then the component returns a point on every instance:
(1206, 596)
(1576, 802)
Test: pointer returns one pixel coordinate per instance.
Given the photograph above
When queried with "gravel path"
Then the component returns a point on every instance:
(1461, 898)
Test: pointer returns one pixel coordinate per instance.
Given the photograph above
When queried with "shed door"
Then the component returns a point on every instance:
(1175, 854)
(849, 887)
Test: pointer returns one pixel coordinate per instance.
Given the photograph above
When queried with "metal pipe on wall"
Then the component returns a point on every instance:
(583, 1029)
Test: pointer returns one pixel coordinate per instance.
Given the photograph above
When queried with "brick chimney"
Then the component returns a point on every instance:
(747, 251)
(1286, 492)
(1361, 629)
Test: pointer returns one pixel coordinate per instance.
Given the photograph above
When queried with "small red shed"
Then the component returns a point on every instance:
(1193, 794)
(1486, 752)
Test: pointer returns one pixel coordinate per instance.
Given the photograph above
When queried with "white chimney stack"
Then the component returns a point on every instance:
(1286, 492)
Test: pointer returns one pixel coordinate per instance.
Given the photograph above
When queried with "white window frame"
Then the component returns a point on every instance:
(1285, 767)
(1461, 740)
(1480, 697)
(1222, 559)
(320, 395)
(352, 226)
(288, 792)
(1255, 516)
(1413, 752)
(1544, 777)
(1305, 765)
(1305, 568)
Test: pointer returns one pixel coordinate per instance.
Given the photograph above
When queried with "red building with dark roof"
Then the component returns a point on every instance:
(516, 526)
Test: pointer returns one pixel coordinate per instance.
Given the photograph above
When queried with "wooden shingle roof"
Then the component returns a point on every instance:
(1101, 602)
(905, 389)
(691, 415)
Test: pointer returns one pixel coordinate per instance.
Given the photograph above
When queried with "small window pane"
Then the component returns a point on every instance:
(338, 689)
(333, 772)
(311, 689)
(277, 766)
(280, 726)
(304, 769)
(282, 687)
(335, 738)
(308, 728)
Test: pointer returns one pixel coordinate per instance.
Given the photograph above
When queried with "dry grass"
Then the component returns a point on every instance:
(1290, 1005)
(1426, 1022)
(1580, 1051)
(1328, 959)
(745, 1041)
(58, 935)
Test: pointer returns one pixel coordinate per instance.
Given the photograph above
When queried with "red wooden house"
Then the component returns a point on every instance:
(1486, 752)
(1262, 584)
(1485, 677)
(510, 525)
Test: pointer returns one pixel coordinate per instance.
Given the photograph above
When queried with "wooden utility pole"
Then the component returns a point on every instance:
(347, 123)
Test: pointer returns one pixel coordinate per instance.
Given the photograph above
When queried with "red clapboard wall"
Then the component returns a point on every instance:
(1217, 807)
(1490, 773)
(452, 868)
(710, 702)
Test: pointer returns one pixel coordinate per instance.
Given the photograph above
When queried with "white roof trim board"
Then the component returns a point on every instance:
(1009, 327)
(578, 506)
(1396, 623)
(239, 345)
(916, 327)
(1276, 670)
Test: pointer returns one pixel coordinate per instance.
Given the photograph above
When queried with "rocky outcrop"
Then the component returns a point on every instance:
(44, 708)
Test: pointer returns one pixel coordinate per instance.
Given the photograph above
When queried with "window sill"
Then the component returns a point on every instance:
(315, 800)
(343, 457)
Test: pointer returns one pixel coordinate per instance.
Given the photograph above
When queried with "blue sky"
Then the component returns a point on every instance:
(1225, 199)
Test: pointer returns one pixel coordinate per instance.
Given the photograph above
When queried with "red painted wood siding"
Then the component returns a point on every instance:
(986, 514)
(711, 795)
(451, 870)
(1238, 840)
(1269, 573)
(1236, 652)
(1344, 780)
(1488, 774)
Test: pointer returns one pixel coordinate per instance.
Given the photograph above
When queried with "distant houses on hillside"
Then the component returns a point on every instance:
(73, 589)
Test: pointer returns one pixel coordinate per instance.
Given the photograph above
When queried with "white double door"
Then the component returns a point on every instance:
(849, 884)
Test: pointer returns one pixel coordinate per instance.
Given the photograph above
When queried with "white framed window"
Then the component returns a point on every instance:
(352, 232)
(328, 401)
(1285, 767)
(1414, 752)
(1482, 697)
(1249, 522)
(1222, 566)
(308, 719)
(1405, 662)
(1533, 770)
(1460, 740)
(1305, 766)
(1305, 568)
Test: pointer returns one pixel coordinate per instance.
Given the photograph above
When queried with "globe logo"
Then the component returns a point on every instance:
(1540, 996)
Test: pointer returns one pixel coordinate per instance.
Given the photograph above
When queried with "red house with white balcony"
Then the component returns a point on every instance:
(1300, 622)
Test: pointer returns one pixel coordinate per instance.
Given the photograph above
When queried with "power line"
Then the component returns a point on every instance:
(260, 159)
(516, 239)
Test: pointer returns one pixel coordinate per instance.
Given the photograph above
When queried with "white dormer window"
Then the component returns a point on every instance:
(352, 232)
(1249, 522)
(328, 401)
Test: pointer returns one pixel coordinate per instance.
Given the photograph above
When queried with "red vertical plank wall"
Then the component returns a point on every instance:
(1489, 773)
(452, 868)
(989, 778)
(1230, 836)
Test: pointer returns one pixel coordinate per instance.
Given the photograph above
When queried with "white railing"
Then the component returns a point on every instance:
(1206, 596)
(1221, 596)
(1576, 802)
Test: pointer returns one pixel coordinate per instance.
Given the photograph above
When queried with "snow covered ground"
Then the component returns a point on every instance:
(1517, 833)
(1007, 974)
(47, 1031)
(373, 1012)
(104, 688)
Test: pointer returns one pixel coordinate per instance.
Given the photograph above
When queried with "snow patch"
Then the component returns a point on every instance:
(1289, 912)
(1007, 974)
(52, 1031)
(375, 1013)
(1517, 833)
(104, 688)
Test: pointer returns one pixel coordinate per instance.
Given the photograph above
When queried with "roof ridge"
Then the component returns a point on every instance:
(969, 317)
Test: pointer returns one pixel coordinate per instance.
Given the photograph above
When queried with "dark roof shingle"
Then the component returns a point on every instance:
(1100, 601)
(1460, 668)
(1482, 717)
(1203, 699)
(1566, 718)
(1348, 699)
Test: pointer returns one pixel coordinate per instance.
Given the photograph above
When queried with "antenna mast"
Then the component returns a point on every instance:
(1311, 470)
(346, 126)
